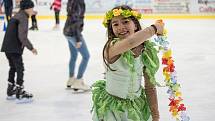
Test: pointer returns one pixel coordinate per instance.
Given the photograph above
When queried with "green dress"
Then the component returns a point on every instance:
(121, 97)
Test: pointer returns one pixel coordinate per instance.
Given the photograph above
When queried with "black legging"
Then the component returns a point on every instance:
(57, 16)
(8, 13)
(34, 20)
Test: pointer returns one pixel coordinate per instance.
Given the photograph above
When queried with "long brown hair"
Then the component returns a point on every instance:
(111, 34)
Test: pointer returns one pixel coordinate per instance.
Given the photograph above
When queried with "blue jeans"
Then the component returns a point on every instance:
(74, 53)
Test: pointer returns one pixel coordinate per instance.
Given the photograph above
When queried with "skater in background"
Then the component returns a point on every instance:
(72, 31)
(15, 40)
(34, 19)
(1, 3)
(128, 55)
(8, 8)
(17, 6)
(56, 5)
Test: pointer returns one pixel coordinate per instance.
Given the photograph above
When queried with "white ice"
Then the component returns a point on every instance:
(193, 46)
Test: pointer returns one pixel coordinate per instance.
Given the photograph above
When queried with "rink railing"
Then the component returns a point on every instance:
(146, 16)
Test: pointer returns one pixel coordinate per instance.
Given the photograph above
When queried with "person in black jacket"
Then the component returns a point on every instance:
(8, 7)
(72, 31)
(15, 40)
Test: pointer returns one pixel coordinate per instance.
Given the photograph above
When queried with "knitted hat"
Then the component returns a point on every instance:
(26, 4)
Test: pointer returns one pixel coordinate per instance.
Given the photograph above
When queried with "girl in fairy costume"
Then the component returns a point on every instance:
(128, 56)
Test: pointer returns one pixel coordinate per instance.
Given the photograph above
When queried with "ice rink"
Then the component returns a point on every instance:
(193, 45)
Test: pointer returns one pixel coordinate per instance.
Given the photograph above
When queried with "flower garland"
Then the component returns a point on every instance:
(117, 12)
(176, 106)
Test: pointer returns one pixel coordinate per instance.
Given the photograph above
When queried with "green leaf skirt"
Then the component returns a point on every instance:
(130, 109)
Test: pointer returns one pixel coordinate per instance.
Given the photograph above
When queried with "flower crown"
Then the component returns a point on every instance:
(117, 12)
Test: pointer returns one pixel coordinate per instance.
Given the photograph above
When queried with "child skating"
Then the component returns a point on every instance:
(56, 5)
(15, 40)
(128, 57)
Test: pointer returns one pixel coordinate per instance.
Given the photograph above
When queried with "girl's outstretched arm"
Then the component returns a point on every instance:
(134, 40)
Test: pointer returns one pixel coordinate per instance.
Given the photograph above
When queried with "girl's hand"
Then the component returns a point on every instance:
(78, 44)
(160, 26)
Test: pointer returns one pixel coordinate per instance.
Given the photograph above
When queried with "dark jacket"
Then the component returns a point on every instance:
(15, 38)
(75, 19)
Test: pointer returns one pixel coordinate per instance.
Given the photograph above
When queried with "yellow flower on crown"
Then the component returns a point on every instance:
(117, 12)
(135, 13)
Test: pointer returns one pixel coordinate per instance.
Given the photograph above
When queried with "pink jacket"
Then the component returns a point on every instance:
(56, 5)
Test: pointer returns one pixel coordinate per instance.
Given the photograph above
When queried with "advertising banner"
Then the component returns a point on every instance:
(206, 6)
(99, 6)
(171, 6)
(144, 6)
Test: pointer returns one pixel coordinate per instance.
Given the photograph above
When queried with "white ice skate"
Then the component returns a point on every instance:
(80, 86)
(70, 82)
(56, 27)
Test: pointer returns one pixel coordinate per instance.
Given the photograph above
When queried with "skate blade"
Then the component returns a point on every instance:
(24, 100)
(77, 90)
(13, 97)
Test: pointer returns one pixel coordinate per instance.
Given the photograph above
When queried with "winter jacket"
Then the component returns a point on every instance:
(75, 19)
(56, 5)
(15, 38)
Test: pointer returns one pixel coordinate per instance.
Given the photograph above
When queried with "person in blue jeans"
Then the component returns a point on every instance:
(72, 31)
